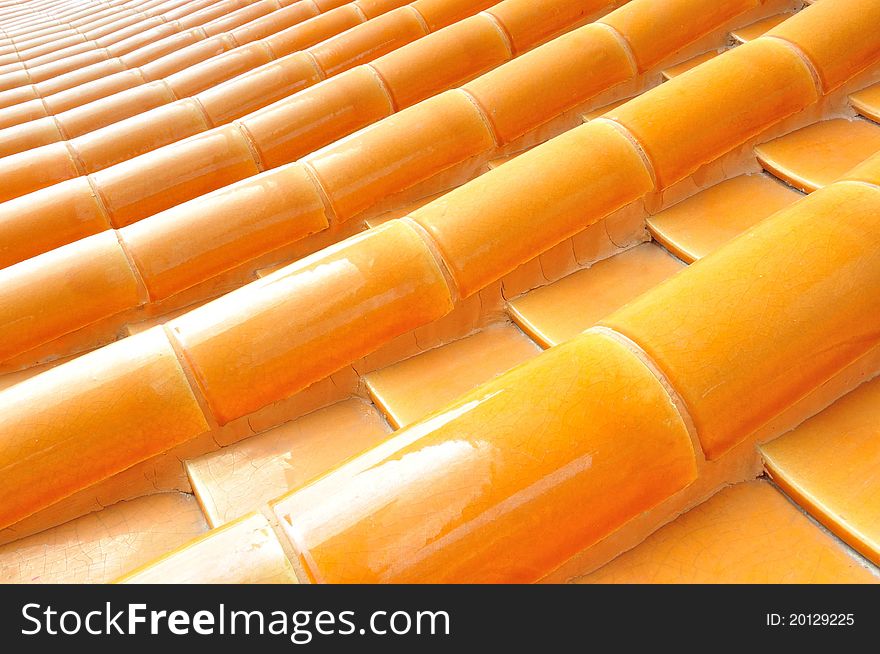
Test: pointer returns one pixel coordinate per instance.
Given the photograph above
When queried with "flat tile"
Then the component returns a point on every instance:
(704, 222)
(409, 390)
(753, 31)
(238, 479)
(867, 102)
(384, 217)
(100, 546)
(818, 154)
(557, 312)
(599, 111)
(746, 534)
(831, 466)
(245, 551)
(685, 66)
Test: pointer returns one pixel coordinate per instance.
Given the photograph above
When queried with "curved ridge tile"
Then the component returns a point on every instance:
(458, 496)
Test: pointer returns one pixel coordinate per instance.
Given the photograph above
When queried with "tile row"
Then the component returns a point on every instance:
(231, 348)
(161, 71)
(212, 106)
(423, 542)
(34, 70)
(179, 248)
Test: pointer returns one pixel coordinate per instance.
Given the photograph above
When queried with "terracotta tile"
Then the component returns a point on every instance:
(830, 465)
(243, 552)
(273, 337)
(224, 229)
(441, 13)
(139, 134)
(95, 90)
(487, 227)
(656, 30)
(107, 111)
(747, 534)
(818, 154)
(216, 70)
(558, 312)
(100, 546)
(701, 224)
(399, 152)
(61, 429)
(685, 66)
(314, 30)
(240, 478)
(181, 59)
(278, 20)
(259, 87)
(840, 38)
(752, 87)
(317, 116)
(867, 102)
(758, 28)
(442, 60)
(368, 41)
(35, 169)
(60, 291)
(563, 73)
(48, 219)
(778, 339)
(158, 180)
(460, 496)
(408, 391)
(527, 30)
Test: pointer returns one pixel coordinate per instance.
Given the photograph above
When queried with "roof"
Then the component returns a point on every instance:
(376, 291)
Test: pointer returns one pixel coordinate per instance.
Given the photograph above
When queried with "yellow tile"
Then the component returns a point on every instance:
(746, 534)
(831, 466)
(560, 311)
(236, 480)
(101, 546)
(818, 154)
(704, 222)
(409, 390)
(867, 102)
(245, 551)
(753, 31)
(685, 66)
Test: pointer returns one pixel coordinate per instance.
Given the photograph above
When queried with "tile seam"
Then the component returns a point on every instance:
(198, 390)
(624, 45)
(675, 397)
(251, 146)
(805, 60)
(502, 30)
(493, 132)
(357, 8)
(322, 75)
(640, 150)
(143, 291)
(439, 260)
(419, 17)
(385, 86)
(194, 99)
(332, 218)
